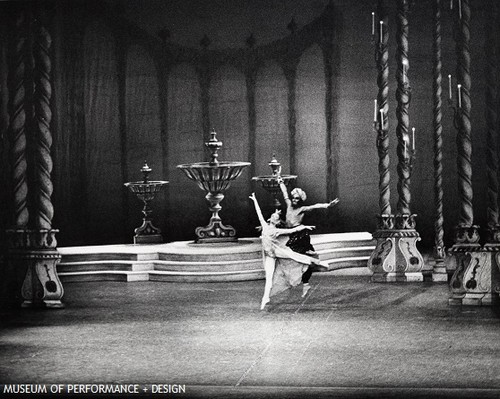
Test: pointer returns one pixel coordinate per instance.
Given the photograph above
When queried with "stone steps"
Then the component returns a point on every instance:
(189, 262)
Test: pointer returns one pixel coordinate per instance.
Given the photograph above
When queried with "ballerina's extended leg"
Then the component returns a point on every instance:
(269, 265)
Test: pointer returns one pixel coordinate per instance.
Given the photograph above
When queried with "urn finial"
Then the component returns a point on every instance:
(145, 170)
(275, 165)
(213, 145)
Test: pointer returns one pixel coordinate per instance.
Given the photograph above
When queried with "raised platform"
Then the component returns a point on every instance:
(186, 261)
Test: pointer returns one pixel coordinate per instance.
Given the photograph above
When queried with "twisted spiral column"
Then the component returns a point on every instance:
(438, 130)
(17, 122)
(43, 116)
(382, 60)
(491, 44)
(403, 100)
(464, 143)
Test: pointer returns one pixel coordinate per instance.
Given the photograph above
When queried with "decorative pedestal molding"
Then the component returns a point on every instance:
(36, 251)
(396, 257)
(476, 280)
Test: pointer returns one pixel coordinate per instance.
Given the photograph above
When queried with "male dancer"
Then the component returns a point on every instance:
(300, 241)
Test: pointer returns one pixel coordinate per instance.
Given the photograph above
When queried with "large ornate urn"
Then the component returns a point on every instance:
(214, 177)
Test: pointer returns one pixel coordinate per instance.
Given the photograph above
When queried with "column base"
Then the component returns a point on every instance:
(476, 280)
(35, 251)
(396, 257)
(472, 300)
(439, 273)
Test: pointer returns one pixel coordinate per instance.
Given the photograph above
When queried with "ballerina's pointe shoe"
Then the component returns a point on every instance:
(264, 303)
(305, 289)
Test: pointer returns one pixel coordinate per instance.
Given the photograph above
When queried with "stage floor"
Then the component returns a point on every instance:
(349, 338)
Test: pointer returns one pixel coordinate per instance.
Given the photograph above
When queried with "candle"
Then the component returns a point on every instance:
(413, 138)
(375, 110)
(373, 23)
(404, 154)
(449, 86)
(459, 88)
(382, 119)
(381, 30)
(460, 9)
(451, 4)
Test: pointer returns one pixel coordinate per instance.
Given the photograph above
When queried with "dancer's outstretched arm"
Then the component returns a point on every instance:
(257, 209)
(325, 205)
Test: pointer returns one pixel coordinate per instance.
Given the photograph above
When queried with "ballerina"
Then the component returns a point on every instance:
(273, 247)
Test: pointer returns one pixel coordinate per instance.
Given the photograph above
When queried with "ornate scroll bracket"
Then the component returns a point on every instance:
(466, 238)
(493, 238)
(35, 251)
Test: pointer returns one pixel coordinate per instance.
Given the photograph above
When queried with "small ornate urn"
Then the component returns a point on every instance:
(146, 190)
(270, 183)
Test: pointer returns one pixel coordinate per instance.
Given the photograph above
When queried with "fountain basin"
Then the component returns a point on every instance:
(214, 178)
(147, 190)
(270, 184)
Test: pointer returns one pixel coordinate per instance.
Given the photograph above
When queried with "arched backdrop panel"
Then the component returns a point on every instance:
(357, 153)
(228, 110)
(188, 208)
(143, 133)
(271, 134)
(103, 149)
(311, 137)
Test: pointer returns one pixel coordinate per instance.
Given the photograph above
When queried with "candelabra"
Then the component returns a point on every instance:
(456, 114)
(395, 257)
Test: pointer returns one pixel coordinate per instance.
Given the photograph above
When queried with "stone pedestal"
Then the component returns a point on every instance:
(476, 279)
(36, 252)
(396, 257)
